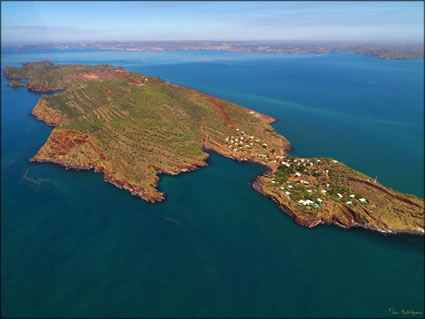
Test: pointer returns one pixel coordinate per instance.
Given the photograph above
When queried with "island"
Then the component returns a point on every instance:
(132, 128)
(396, 51)
(17, 84)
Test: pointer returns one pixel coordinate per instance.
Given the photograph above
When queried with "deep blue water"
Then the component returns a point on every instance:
(73, 245)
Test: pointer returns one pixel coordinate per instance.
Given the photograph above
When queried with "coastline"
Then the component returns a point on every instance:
(385, 52)
(256, 184)
(64, 140)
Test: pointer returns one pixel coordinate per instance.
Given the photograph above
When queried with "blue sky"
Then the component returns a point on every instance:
(322, 21)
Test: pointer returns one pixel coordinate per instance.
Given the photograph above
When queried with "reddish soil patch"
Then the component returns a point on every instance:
(107, 90)
(208, 138)
(65, 140)
(206, 135)
(228, 121)
(100, 75)
(293, 178)
(219, 145)
(125, 75)
(103, 75)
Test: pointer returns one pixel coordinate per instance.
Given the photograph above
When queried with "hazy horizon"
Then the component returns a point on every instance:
(313, 42)
(360, 22)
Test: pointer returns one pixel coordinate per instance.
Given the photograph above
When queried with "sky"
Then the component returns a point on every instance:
(206, 20)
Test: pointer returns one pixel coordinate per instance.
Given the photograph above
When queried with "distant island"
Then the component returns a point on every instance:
(132, 128)
(17, 84)
(380, 50)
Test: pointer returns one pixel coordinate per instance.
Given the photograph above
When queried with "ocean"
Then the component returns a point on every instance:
(75, 246)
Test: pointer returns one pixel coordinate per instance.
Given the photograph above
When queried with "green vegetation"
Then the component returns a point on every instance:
(132, 127)
(283, 172)
(324, 190)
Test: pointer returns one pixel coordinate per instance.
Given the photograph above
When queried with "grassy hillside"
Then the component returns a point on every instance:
(138, 126)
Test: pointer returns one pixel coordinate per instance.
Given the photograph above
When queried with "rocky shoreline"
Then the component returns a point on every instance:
(17, 84)
(256, 184)
(119, 183)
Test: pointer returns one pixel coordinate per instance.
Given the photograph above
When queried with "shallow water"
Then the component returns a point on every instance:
(73, 245)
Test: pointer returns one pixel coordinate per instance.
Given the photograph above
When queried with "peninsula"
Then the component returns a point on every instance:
(132, 128)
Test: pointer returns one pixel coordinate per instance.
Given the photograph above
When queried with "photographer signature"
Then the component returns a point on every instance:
(411, 312)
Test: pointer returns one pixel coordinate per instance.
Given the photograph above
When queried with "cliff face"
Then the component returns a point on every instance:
(132, 128)
(49, 115)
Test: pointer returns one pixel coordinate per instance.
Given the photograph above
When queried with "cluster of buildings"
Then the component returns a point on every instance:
(240, 142)
(352, 196)
(307, 202)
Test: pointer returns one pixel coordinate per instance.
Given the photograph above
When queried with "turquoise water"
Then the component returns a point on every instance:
(73, 245)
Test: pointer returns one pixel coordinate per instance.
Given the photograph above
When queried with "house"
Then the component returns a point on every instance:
(326, 171)
(305, 202)
(319, 200)
(327, 185)
(290, 186)
(363, 200)
(286, 164)
(237, 129)
(352, 195)
(318, 161)
(282, 188)
(309, 190)
(297, 174)
(287, 193)
(273, 182)
(349, 203)
(339, 195)
(323, 191)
